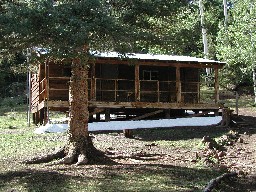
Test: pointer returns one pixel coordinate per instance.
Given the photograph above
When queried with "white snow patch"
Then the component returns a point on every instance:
(52, 128)
(120, 125)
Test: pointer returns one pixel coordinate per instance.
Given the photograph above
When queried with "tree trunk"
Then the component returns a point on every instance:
(79, 140)
(254, 84)
(226, 117)
(80, 148)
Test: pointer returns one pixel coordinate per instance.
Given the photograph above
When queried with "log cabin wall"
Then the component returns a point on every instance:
(34, 92)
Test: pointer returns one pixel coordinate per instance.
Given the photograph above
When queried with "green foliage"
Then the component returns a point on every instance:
(12, 75)
(64, 27)
(13, 102)
(181, 35)
(236, 43)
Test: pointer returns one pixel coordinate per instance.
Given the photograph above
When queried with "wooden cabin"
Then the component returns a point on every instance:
(134, 86)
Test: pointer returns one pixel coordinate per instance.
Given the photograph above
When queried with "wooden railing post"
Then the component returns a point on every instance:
(116, 89)
(178, 85)
(158, 92)
(137, 83)
(198, 92)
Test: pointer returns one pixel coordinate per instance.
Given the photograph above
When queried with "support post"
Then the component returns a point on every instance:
(41, 116)
(167, 113)
(107, 115)
(178, 85)
(137, 82)
(97, 117)
(46, 115)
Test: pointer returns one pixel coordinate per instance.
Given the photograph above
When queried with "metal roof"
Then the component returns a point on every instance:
(156, 57)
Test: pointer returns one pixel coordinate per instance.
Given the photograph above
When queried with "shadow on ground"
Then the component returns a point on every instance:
(179, 133)
(124, 177)
(107, 178)
(191, 132)
(33, 180)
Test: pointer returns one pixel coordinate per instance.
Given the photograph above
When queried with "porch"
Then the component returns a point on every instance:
(119, 85)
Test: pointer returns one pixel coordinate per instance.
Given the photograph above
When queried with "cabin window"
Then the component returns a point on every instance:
(150, 75)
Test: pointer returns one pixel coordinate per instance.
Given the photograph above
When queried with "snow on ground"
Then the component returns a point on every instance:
(120, 125)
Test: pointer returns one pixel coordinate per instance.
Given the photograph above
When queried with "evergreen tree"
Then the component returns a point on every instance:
(67, 29)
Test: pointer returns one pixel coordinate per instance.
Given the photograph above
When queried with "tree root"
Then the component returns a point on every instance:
(215, 182)
(46, 158)
(80, 152)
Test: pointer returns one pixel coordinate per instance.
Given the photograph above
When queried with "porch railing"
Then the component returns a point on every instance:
(123, 90)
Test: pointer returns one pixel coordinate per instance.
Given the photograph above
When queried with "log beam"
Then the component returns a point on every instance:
(147, 115)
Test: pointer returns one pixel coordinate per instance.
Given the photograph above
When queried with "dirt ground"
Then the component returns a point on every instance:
(242, 156)
(239, 155)
(176, 152)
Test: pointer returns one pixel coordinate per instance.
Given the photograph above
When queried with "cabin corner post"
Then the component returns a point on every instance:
(137, 82)
(46, 95)
(216, 84)
(178, 85)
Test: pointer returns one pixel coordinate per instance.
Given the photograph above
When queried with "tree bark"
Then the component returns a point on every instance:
(254, 84)
(226, 117)
(79, 140)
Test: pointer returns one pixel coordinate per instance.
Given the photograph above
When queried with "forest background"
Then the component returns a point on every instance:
(230, 39)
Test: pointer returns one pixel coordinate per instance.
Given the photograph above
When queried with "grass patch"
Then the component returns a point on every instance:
(17, 140)
(16, 146)
(185, 144)
(244, 101)
(13, 119)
